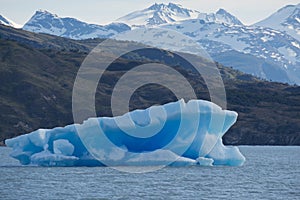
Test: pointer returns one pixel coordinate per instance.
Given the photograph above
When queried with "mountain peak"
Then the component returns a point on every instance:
(289, 7)
(221, 11)
(44, 12)
(286, 19)
(159, 14)
(162, 6)
(225, 17)
(157, 6)
(220, 17)
(174, 5)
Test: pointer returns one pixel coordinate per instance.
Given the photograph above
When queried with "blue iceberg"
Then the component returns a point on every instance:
(174, 134)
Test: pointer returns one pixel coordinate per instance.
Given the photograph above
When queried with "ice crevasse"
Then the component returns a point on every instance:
(174, 134)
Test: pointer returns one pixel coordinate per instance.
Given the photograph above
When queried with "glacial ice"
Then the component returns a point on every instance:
(174, 134)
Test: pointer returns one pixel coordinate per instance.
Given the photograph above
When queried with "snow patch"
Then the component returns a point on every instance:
(288, 54)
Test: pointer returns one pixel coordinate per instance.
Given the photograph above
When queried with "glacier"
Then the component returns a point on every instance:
(174, 134)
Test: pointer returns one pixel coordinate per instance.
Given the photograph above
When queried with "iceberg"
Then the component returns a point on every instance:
(174, 134)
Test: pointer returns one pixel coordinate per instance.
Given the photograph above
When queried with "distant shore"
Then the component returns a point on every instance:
(2, 144)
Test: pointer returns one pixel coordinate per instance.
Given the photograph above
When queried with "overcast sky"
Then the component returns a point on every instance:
(103, 12)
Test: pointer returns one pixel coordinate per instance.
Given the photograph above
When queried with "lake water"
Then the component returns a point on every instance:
(269, 173)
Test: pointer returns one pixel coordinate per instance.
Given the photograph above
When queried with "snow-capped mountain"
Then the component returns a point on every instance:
(286, 19)
(8, 22)
(264, 49)
(46, 22)
(159, 14)
(169, 13)
(221, 16)
(276, 49)
(260, 51)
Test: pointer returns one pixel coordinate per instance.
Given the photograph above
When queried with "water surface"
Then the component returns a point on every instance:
(270, 172)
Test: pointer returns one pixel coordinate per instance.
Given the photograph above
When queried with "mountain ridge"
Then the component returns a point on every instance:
(45, 22)
(286, 19)
(158, 14)
(218, 33)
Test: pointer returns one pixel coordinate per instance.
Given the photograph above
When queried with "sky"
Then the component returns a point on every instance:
(103, 12)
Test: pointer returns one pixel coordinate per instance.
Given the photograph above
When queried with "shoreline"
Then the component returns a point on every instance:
(2, 144)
